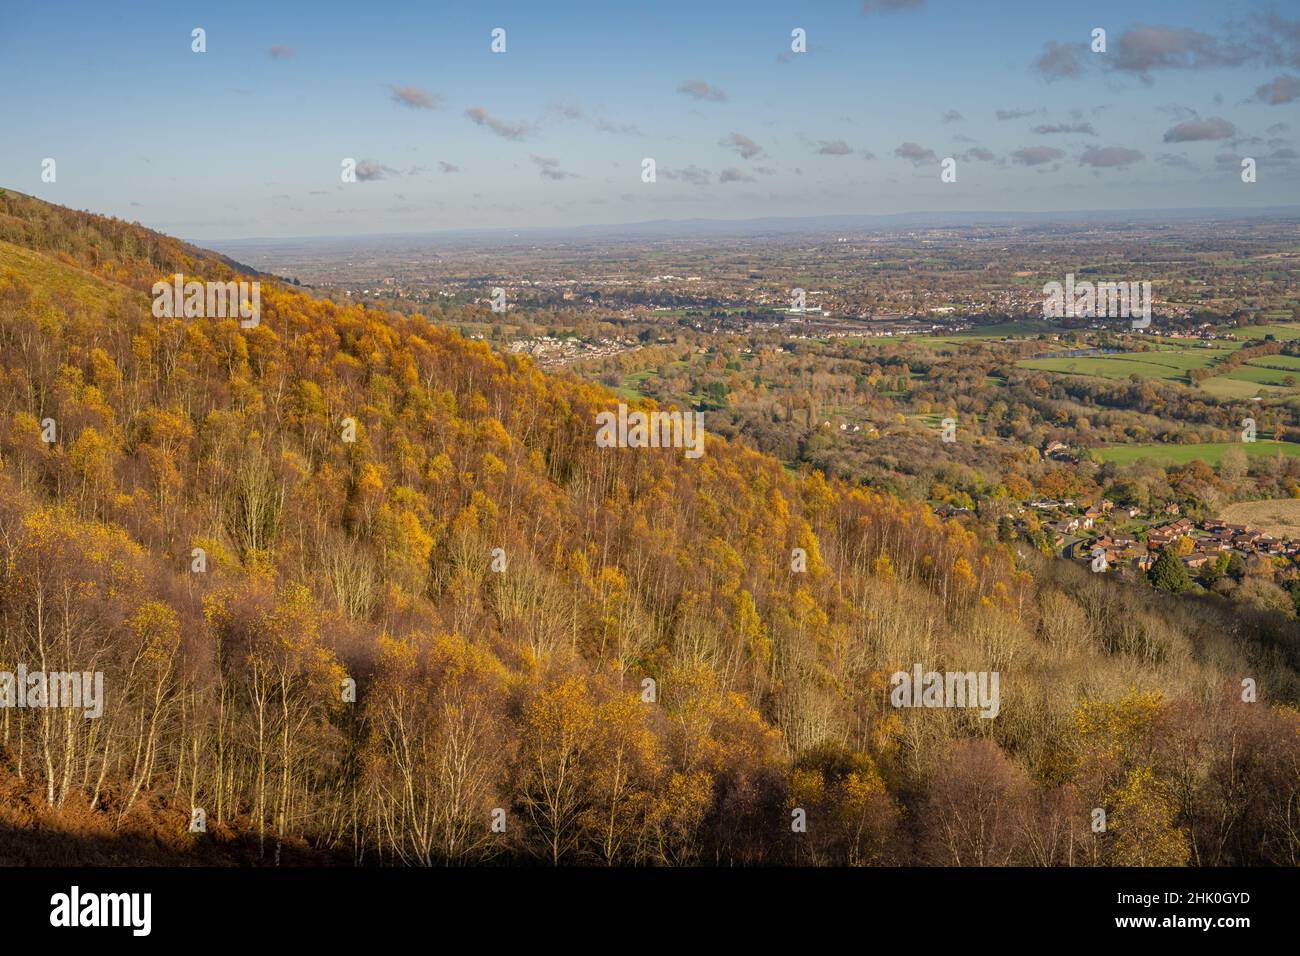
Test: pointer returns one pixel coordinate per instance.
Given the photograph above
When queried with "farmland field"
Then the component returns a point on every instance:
(1262, 376)
(1284, 333)
(1224, 386)
(1279, 517)
(1171, 359)
(1170, 366)
(1289, 362)
(1210, 452)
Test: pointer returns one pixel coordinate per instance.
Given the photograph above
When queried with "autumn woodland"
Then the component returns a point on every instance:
(562, 654)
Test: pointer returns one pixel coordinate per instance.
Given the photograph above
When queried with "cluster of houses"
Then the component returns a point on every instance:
(1098, 536)
(1091, 517)
(550, 352)
(1096, 531)
(1209, 539)
(1085, 533)
(1219, 536)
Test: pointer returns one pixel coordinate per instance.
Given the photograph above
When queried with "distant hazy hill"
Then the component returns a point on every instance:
(777, 226)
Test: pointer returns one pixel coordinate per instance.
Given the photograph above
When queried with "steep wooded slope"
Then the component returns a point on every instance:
(349, 477)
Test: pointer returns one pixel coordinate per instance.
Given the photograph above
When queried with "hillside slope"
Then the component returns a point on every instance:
(233, 524)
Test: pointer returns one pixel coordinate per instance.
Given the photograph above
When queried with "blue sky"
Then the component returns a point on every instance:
(247, 139)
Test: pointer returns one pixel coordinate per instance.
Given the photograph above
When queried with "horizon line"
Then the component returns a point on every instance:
(1261, 212)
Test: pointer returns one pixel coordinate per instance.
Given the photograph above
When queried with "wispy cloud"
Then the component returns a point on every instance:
(915, 153)
(550, 168)
(1102, 157)
(369, 171)
(733, 175)
(1199, 129)
(414, 97)
(1045, 129)
(572, 111)
(1060, 61)
(1005, 115)
(742, 144)
(602, 125)
(514, 131)
(699, 90)
(833, 147)
(1284, 89)
(890, 6)
(689, 174)
(1037, 155)
(1145, 48)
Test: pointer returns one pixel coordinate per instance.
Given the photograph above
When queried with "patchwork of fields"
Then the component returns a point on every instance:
(1266, 376)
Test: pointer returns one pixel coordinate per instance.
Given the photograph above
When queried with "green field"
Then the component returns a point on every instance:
(1170, 366)
(1289, 362)
(1224, 387)
(1210, 453)
(1171, 359)
(1019, 329)
(1284, 333)
(1262, 376)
